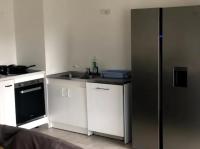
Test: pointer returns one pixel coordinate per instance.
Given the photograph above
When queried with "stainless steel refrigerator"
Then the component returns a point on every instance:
(166, 78)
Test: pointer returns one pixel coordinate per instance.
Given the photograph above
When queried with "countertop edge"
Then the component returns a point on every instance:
(93, 80)
(13, 77)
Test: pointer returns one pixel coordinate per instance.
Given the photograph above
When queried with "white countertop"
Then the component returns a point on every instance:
(23, 77)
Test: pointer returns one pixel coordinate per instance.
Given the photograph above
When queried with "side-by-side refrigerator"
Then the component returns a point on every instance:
(166, 78)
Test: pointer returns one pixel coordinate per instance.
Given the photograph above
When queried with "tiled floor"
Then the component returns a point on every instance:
(92, 142)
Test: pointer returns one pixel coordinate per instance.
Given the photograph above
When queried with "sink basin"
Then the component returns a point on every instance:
(74, 75)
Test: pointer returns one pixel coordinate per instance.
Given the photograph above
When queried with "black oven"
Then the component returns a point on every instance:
(29, 101)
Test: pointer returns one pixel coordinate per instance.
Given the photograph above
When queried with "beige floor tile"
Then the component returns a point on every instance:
(92, 142)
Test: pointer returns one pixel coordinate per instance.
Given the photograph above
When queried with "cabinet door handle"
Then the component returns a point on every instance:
(30, 90)
(68, 93)
(8, 86)
(105, 89)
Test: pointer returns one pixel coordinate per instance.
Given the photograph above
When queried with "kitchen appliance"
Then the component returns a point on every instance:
(29, 101)
(166, 78)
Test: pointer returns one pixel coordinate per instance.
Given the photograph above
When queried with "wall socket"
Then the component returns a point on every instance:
(76, 66)
(105, 11)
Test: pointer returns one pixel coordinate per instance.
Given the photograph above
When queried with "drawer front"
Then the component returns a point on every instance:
(105, 108)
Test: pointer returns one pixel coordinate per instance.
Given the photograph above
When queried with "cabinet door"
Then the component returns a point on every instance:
(105, 108)
(67, 102)
(7, 103)
(181, 81)
(145, 66)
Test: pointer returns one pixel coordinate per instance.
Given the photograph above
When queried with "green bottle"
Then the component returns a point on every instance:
(95, 67)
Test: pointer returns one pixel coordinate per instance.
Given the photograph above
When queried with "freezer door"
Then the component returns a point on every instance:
(145, 45)
(181, 78)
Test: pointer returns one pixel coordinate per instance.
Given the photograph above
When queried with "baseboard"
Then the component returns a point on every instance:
(35, 123)
(69, 128)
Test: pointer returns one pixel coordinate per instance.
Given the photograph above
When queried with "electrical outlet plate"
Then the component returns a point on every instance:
(105, 11)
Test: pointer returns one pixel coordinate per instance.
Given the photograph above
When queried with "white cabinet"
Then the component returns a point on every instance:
(107, 107)
(67, 105)
(7, 103)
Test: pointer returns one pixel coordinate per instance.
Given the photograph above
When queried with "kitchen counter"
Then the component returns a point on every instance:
(20, 77)
(60, 76)
(92, 80)
(12, 88)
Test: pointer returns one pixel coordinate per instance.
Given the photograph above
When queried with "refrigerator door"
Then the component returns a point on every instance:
(181, 78)
(145, 61)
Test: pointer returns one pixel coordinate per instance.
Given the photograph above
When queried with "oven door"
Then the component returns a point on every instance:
(30, 103)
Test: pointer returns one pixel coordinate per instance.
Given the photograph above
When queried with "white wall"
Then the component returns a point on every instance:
(56, 35)
(88, 32)
(93, 33)
(29, 32)
(161, 3)
(7, 37)
(75, 31)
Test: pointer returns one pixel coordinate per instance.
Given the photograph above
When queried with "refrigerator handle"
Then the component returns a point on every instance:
(180, 77)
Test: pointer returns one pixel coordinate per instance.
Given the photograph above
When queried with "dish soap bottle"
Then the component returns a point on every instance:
(95, 67)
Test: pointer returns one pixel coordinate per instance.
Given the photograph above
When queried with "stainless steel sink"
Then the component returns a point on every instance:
(74, 75)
